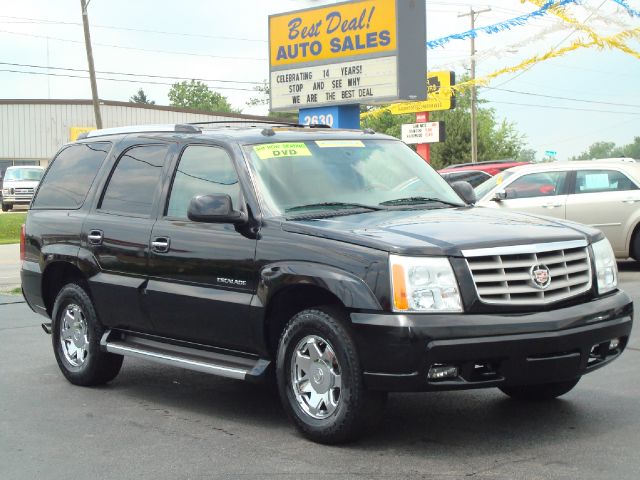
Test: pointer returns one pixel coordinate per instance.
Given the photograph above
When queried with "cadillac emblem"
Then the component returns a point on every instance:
(540, 276)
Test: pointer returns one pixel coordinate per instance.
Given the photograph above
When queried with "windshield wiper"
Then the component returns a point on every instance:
(337, 205)
(419, 201)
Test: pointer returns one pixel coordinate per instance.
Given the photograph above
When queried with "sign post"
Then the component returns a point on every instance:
(326, 61)
(423, 149)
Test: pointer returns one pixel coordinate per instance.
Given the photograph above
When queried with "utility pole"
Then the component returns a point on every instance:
(92, 71)
(473, 14)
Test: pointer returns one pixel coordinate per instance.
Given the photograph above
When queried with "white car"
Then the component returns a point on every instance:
(19, 185)
(602, 194)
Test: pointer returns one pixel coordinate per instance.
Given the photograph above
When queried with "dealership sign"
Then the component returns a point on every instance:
(429, 132)
(365, 51)
(439, 95)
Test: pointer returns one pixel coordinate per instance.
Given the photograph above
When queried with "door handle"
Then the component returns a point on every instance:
(95, 237)
(552, 205)
(160, 244)
(630, 201)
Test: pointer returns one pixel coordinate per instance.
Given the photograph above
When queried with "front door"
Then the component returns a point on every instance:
(541, 193)
(202, 275)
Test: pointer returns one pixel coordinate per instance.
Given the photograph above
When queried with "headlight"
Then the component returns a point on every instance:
(424, 284)
(606, 267)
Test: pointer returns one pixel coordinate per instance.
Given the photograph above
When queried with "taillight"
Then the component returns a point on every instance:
(22, 243)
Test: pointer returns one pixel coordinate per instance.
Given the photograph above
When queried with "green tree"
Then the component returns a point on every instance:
(196, 95)
(631, 150)
(597, 150)
(264, 91)
(141, 97)
(496, 140)
(527, 155)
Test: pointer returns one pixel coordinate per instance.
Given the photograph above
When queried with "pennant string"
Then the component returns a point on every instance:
(631, 11)
(502, 26)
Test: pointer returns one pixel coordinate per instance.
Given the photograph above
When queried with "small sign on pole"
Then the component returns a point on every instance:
(439, 95)
(429, 132)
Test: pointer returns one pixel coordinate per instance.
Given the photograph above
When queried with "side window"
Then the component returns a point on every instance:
(543, 184)
(134, 180)
(592, 181)
(70, 176)
(203, 170)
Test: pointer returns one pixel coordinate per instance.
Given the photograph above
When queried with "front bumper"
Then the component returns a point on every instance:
(17, 199)
(398, 350)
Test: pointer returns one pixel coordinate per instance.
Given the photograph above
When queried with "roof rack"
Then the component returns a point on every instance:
(259, 123)
(484, 162)
(177, 128)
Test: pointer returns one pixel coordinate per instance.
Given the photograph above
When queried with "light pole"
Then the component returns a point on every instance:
(92, 72)
(473, 14)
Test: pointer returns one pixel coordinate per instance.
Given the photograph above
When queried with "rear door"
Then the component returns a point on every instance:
(541, 193)
(202, 275)
(117, 233)
(605, 199)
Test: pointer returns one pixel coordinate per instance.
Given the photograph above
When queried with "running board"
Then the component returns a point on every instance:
(188, 357)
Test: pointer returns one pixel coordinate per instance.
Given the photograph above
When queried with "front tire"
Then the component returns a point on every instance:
(6, 207)
(320, 379)
(539, 393)
(76, 336)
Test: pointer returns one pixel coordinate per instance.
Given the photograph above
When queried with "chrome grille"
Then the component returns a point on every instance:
(24, 190)
(502, 275)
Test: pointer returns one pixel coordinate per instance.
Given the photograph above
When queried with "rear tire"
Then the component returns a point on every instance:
(6, 207)
(538, 393)
(320, 378)
(635, 245)
(76, 336)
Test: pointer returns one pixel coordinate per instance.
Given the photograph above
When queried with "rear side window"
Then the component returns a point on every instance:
(593, 181)
(203, 170)
(70, 176)
(134, 180)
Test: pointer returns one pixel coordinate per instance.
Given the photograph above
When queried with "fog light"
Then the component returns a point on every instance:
(615, 343)
(441, 372)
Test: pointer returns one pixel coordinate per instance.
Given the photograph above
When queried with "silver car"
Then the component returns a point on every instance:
(602, 194)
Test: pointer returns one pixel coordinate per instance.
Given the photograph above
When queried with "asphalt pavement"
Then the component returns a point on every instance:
(157, 422)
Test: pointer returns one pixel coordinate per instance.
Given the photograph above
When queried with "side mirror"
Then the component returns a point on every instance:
(214, 209)
(465, 191)
(499, 195)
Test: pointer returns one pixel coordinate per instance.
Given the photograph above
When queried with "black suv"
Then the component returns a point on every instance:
(338, 260)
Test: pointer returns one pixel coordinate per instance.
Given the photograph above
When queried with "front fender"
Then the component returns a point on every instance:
(352, 291)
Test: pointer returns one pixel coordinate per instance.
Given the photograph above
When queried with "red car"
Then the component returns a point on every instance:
(476, 173)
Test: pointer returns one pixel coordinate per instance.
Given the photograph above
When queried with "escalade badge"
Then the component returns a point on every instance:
(541, 276)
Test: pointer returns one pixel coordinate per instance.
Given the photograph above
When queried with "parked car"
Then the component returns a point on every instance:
(476, 173)
(602, 194)
(19, 184)
(337, 259)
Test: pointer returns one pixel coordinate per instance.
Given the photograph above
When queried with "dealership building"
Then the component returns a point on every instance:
(31, 131)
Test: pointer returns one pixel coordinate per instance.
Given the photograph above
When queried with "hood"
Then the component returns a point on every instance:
(441, 231)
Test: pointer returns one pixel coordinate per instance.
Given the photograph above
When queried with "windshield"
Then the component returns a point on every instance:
(31, 174)
(484, 188)
(334, 174)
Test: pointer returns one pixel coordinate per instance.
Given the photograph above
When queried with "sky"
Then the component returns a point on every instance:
(596, 91)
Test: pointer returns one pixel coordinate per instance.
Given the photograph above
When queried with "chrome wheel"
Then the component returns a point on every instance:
(73, 335)
(316, 377)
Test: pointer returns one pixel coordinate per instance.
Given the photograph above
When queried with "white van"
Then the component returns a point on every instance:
(19, 185)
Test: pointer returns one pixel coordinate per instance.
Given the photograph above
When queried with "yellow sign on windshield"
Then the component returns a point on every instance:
(277, 150)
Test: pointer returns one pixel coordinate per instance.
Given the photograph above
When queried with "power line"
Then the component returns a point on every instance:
(169, 52)
(563, 108)
(563, 98)
(128, 29)
(130, 74)
(114, 79)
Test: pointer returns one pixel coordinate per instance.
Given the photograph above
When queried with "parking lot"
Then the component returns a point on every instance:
(159, 422)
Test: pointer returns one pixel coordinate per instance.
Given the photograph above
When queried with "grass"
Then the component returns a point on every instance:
(10, 227)
(16, 291)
